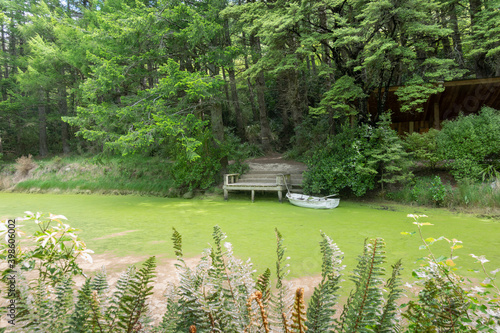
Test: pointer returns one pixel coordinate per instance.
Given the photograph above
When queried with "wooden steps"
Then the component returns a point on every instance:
(277, 177)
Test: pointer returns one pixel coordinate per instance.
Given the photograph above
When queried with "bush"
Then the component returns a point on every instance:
(423, 147)
(340, 164)
(24, 165)
(387, 153)
(471, 143)
(438, 190)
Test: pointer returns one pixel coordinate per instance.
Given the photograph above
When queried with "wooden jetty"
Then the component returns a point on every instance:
(261, 181)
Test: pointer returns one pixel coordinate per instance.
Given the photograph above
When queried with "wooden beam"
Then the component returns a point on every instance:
(437, 121)
(488, 80)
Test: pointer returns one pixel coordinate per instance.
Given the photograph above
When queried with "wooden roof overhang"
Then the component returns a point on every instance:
(461, 96)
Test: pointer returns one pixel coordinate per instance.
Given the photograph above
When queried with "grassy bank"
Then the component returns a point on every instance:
(152, 176)
(433, 191)
(80, 174)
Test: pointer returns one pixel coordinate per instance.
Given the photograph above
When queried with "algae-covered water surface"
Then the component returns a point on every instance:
(133, 225)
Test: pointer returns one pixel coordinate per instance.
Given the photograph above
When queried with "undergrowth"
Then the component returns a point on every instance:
(118, 175)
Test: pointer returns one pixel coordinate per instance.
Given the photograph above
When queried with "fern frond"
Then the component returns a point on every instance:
(257, 297)
(264, 285)
(387, 322)
(133, 308)
(321, 309)
(62, 306)
(112, 313)
(177, 239)
(82, 318)
(191, 296)
(440, 304)
(100, 282)
(363, 306)
(299, 313)
(171, 317)
(282, 301)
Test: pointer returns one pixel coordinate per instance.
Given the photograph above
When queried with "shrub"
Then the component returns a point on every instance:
(197, 162)
(24, 165)
(446, 302)
(387, 153)
(340, 164)
(51, 250)
(438, 190)
(423, 147)
(470, 143)
(429, 191)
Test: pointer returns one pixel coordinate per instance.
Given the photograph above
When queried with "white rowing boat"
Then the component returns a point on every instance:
(310, 201)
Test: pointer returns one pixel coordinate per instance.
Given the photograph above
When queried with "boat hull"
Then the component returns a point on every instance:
(308, 201)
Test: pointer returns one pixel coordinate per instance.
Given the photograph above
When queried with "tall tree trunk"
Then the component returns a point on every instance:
(313, 66)
(226, 90)
(63, 111)
(42, 122)
(283, 106)
(5, 64)
(251, 94)
(457, 40)
(218, 131)
(240, 125)
(480, 66)
(328, 62)
(265, 129)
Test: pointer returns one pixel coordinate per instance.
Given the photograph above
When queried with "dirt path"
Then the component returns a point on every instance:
(275, 162)
(165, 274)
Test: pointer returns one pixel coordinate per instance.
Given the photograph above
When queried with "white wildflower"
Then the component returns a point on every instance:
(85, 255)
(493, 313)
(48, 237)
(478, 289)
(481, 258)
(55, 217)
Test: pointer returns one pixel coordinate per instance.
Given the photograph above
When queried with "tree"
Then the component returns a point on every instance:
(388, 153)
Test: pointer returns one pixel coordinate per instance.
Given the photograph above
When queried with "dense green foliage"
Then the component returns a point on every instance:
(470, 143)
(142, 77)
(355, 158)
(423, 147)
(341, 164)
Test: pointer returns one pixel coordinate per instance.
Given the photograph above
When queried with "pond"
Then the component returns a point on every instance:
(135, 225)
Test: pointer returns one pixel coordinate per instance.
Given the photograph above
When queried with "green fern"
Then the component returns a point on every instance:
(177, 240)
(387, 322)
(441, 304)
(80, 321)
(321, 309)
(172, 315)
(264, 286)
(133, 307)
(363, 306)
(112, 312)
(282, 301)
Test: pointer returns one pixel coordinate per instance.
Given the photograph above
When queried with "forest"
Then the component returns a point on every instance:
(204, 82)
